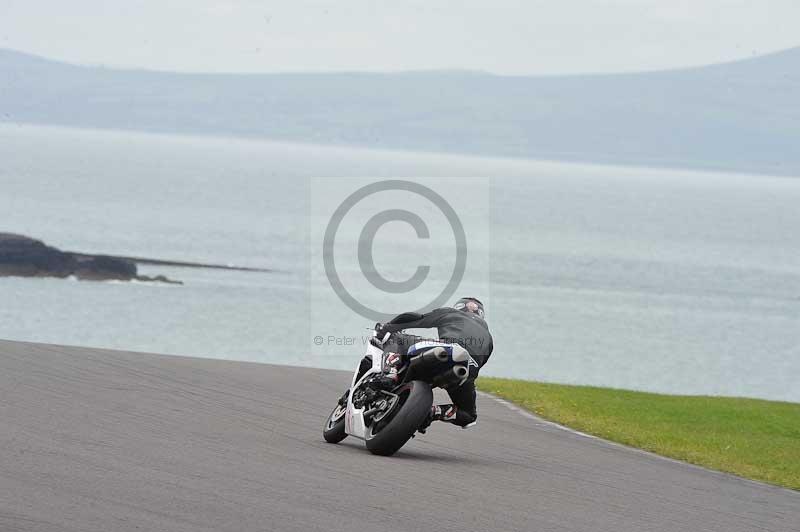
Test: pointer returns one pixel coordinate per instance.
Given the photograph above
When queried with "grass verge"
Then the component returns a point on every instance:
(747, 437)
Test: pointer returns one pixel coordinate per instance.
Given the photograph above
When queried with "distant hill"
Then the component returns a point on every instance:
(742, 116)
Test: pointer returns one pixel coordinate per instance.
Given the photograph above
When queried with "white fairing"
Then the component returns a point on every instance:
(354, 417)
(460, 354)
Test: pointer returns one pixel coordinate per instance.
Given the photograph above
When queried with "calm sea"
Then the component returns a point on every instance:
(662, 280)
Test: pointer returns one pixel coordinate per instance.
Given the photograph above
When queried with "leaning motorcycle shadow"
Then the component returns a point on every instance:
(419, 451)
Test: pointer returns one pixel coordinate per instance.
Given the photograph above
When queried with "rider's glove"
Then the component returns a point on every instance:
(381, 333)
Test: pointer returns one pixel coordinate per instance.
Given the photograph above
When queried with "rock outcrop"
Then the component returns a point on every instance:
(25, 257)
(21, 256)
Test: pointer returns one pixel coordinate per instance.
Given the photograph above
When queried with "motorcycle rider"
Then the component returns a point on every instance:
(463, 324)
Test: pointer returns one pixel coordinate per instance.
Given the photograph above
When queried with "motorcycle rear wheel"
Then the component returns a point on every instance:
(391, 434)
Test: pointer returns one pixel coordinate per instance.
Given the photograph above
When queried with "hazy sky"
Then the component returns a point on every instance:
(503, 36)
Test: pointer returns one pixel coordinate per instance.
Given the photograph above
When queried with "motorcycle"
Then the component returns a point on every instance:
(387, 418)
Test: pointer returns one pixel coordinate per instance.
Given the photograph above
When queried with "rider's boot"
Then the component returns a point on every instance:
(391, 373)
(439, 413)
(393, 364)
(444, 413)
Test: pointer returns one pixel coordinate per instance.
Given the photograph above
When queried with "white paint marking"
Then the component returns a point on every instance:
(544, 423)
(539, 421)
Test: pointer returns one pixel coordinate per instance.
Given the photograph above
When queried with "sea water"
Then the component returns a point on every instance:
(654, 279)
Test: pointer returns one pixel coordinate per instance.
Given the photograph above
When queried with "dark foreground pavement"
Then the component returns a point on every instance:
(95, 440)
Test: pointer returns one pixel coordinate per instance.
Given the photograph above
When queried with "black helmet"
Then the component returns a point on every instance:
(470, 304)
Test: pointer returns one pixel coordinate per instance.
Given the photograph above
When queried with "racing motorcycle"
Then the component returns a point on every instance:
(386, 418)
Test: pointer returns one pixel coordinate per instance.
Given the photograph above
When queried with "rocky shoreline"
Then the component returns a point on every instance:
(22, 256)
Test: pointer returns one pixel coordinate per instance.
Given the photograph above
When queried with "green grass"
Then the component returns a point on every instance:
(747, 437)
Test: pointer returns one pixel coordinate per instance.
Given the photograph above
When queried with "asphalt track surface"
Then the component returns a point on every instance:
(94, 440)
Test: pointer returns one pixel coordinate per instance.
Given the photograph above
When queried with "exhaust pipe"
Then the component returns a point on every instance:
(430, 358)
(456, 374)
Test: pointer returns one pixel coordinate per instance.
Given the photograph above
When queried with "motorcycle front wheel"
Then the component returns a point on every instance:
(334, 425)
(396, 427)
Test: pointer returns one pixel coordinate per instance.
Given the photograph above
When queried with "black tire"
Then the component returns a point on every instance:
(409, 417)
(333, 432)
